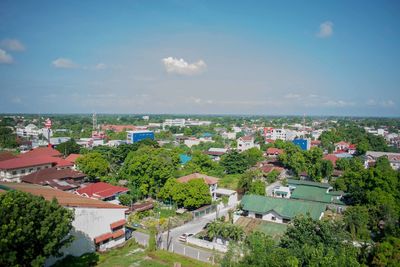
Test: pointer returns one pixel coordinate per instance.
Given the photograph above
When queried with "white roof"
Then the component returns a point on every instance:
(224, 191)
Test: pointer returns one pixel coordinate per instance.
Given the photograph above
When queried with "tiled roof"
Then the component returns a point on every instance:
(101, 190)
(103, 237)
(64, 198)
(287, 208)
(51, 174)
(72, 157)
(274, 151)
(41, 151)
(207, 179)
(6, 156)
(332, 158)
(117, 224)
(118, 233)
(25, 162)
(247, 138)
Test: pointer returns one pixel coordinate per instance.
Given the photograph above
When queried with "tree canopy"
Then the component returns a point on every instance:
(69, 147)
(93, 164)
(32, 229)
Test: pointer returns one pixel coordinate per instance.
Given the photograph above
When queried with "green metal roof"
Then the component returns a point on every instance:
(311, 193)
(287, 208)
(309, 183)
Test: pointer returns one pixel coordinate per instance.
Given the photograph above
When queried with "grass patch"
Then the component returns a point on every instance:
(131, 254)
(229, 181)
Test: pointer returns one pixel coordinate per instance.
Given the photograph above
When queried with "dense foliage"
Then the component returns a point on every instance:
(93, 164)
(69, 147)
(32, 229)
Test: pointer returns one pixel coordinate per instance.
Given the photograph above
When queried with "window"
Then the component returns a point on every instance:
(23, 171)
(259, 216)
(14, 172)
(31, 170)
(273, 218)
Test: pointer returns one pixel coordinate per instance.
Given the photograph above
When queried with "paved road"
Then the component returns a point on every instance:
(178, 247)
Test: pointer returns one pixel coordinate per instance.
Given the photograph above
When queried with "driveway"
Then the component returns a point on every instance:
(269, 188)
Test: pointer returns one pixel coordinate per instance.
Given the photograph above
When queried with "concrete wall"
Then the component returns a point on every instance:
(15, 175)
(206, 244)
(268, 217)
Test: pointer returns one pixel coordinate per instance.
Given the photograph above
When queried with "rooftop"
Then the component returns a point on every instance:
(64, 198)
(101, 190)
(51, 174)
(287, 208)
(72, 157)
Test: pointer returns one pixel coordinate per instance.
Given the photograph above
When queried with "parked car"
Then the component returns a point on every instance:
(184, 237)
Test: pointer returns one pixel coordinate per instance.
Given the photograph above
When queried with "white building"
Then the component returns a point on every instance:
(32, 130)
(229, 135)
(196, 141)
(230, 194)
(281, 191)
(174, 122)
(97, 225)
(245, 142)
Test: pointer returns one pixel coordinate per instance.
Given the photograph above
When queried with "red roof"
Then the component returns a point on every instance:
(44, 175)
(342, 143)
(247, 138)
(207, 179)
(332, 158)
(142, 206)
(25, 162)
(274, 151)
(72, 157)
(6, 155)
(117, 224)
(103, 237)
(118, 233)
(40, 152)
(269, 140)
(315, 142)
(352, 146)
(101, 190)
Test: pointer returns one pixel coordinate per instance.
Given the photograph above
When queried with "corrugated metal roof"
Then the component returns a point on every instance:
(287, 208)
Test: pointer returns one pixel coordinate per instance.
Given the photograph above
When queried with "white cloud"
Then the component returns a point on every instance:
(100, 66)
(12, 45)
(16, 100)
(338, 103)
(325, 29)
(5, 58)
(64, 63)
(291, 95)
(180, 66)
(387, 103)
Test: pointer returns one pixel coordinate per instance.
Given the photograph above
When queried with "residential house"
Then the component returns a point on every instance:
(193, 141)
(212, 182)
(331, 157)
(229, 135)
(13, 169)
(97, 225)
(281, 191)
(102, 191)
(279, 210)
(274, 152)
(372, 156)
(65, 179)
(72, 158)
(245, 142)
(216, 153)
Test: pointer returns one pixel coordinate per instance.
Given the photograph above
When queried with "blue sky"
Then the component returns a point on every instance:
(219, 57)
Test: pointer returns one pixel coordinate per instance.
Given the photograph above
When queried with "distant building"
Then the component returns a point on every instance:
(372, 156)
(229, 135)
(245, 142)
(274, 152)
(136, 136)
(174, 123)
(304, 144)
(192, 141)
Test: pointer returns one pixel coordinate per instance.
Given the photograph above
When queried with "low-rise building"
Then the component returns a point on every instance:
(97, 225)
(136, 136)
(245, 142)
(102, 191)
(274, 152)
(280, 210)
(372, 156)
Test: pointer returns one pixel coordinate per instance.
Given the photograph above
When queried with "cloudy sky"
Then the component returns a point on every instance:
(208, 57)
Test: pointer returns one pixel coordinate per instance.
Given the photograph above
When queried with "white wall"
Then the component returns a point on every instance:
(268, 217)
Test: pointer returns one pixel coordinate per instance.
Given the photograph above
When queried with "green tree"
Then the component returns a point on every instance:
(252, 156)
(234, 162)
(246, 180)
(126, 199)
(69, 147)
(202, 163)
(7, 138)
(257, 188)
(32, 229)
(149, 168)
(356, 220)
(197, 194)
(93, 164)
(387, 253)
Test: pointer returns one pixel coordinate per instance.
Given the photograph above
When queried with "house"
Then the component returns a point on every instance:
(229, 135)
(280, 210)
(64, 179)
(372, 156)
(315, 143)
(102, 191)
(72, 158)
(332, 158)
(230, 194)
(245, 143)
(281, 191)
(346, 147)
(97, 225)
(13, 169)
(274, 152)
(212, 182)
(216, 153)
(193, 141)
(316, 192)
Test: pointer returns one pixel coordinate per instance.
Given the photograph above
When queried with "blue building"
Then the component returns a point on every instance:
(304, 144)
(136, 136)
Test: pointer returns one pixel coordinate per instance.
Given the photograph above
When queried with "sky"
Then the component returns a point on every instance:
(201, 57)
